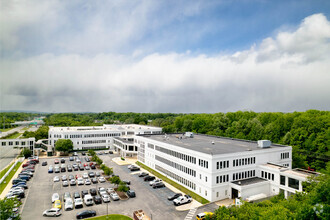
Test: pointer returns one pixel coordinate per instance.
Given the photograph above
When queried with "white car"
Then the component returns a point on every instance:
(101, 179)
(130, 166)
(155, 181)
(85, 176)
(110, 190)
(78, 203)
(114, 196)
(64, 178)
(65, 183)
(52, 212)
(105, 197)
(72, 182)
(87, 182)
(80, 181)
(68, 204)
(55, 196)
(56, 179)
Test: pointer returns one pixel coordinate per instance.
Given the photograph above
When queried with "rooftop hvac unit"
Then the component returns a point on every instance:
(189, 134)
(264, 143)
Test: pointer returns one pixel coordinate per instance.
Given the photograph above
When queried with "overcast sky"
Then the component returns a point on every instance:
(164, 56)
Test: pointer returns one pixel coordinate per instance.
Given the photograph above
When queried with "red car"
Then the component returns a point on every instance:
(26, 165)
(85, 164)
(91, 163)
(56, 161)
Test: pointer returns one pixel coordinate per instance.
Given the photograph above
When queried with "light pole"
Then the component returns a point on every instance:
(107, 209)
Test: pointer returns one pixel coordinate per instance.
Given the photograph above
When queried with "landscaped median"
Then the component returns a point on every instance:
(176, 185)
(9, 177)
(4, 171)
(112, 217)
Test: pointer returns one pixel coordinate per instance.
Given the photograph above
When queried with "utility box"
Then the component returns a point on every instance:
(264, 143)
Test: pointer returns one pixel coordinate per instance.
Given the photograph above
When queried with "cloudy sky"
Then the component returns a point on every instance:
(165, 56)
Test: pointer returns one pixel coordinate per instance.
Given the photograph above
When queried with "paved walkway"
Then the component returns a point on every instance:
(121, 162)
(225, 202)
(8, 187)
(190, 214)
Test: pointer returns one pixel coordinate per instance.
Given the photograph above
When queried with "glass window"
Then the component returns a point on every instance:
(293, 183)
(282, 180)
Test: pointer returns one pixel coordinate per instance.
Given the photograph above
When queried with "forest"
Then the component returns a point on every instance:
(307, 132)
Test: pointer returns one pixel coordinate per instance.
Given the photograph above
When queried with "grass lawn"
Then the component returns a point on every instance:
(6, 129)
(178, 186)
(113, 217)
(4, 171)
(12, 136)
(8, 178)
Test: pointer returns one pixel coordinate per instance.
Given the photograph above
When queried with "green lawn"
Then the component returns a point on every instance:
(178, 186)
(12, 136)
(8, 178)
(6, 129)
(4, 171)
(113, 217)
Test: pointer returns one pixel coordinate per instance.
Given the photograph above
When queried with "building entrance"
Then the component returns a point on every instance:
(234, 193)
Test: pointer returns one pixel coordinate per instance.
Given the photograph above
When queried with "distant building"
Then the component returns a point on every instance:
(218, 168)
(19, 143)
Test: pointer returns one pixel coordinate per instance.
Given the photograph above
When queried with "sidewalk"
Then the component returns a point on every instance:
(8, 187)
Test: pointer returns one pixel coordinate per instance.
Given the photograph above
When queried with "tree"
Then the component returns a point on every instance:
(26, 152)
(122, 187)
(115, 180)
(7, 206)
(64, 145)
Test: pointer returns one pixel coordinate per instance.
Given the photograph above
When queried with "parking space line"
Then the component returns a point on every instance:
(190, 214)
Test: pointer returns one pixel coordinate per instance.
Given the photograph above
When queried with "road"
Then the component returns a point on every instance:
(7, 154)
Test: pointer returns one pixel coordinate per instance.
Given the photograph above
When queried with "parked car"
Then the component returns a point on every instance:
(88, 200)
(52, 212)
(73, 182)
(24, 177)
(110, 152)
(158, 185)
(127, 182)
(114, 196)
(56, 179)
(71, 177)
(101, 179)
(87, 168)
(85, 214)
(131, 193)
(21, 185)
(182, 200)
(57, 170)
(55, 197)
(57, 204)
(102, 189)
(202, 216)
(97, 174)
(56, 161)
(94, 180)
(105, 198)
(143, 174)
(93, 191)
(65, 183)
(85, 176)
(62, 160)
(75, 168)
(81, 167)
(110, 190)
(87, 182)
(66, 196)
(63, 177)
(97, 199)
(78, 203)
(18, 180)
(155, 181)
(44, 163)
(76, 195)
(93, 167)
(149, 178)
(69, 168)
(174, 196)
(91, 174)
(135, 168)
(83, 193)
(71, 159)
(80, 181)
(87, 159)
(68, 205)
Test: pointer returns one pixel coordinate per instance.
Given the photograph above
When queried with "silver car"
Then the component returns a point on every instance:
(87, 182)
(55, 196)
(114, 196)
(105, 198)
(101, 179)
(65, 183)
(56, 179)
(52, 212)
(68, 204)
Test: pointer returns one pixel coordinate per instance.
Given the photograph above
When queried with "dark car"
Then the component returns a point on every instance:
(24, 177)
(94, 180)
(91, 174)
(135, 168)
(63, 169)
(93, 191)
(143, 174)
(158, 185)
(62, 160)
(85, 214)
(81, 167)
(97, 199)
(93, 167)
(174, 196)
(21, 184)
(149, 178)
(131, 193)
(76, 195)
(15, 181)
(75, 168)
(127, 182)
(83, 153)
(44, 163)
(69, 169)
(83, 193)
(110, 152)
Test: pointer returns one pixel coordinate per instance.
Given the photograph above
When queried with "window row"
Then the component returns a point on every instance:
(222, 164)
(222, 178)
(244, 175)
(151, 146)
(203, 163)
(176, 166)
(244, 161)
(102, 135)
(285, 155)
(177, 154)
(94, 142)
(267, 175)
(17, 143)
(177, 177)
(94, 147)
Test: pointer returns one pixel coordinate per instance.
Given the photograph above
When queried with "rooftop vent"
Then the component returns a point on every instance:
(189, 134)
(264, 143)
(213, 142)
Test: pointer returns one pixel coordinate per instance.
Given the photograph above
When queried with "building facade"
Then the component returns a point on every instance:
(99, 137)
(19, 143)
(218, 168)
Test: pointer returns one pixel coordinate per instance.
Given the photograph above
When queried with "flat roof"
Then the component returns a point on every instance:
(107, 127)
(302, 172)
(210, 144)
(249, 181)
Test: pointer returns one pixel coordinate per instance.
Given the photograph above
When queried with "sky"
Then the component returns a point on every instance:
(165, 56)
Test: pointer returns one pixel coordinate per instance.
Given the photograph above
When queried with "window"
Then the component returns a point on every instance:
(293, 183)
(282, 180)
(217, 194)
(206, 179)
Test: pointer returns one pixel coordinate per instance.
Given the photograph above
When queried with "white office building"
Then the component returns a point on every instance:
(218, 168)
(102, 137)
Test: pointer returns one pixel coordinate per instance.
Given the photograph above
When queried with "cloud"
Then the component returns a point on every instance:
(289, 72)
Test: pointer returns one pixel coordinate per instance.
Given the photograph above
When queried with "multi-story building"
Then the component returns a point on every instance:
(217, 168)
(100, 137)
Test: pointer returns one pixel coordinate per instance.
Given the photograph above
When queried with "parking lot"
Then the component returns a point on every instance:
(41, 188)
